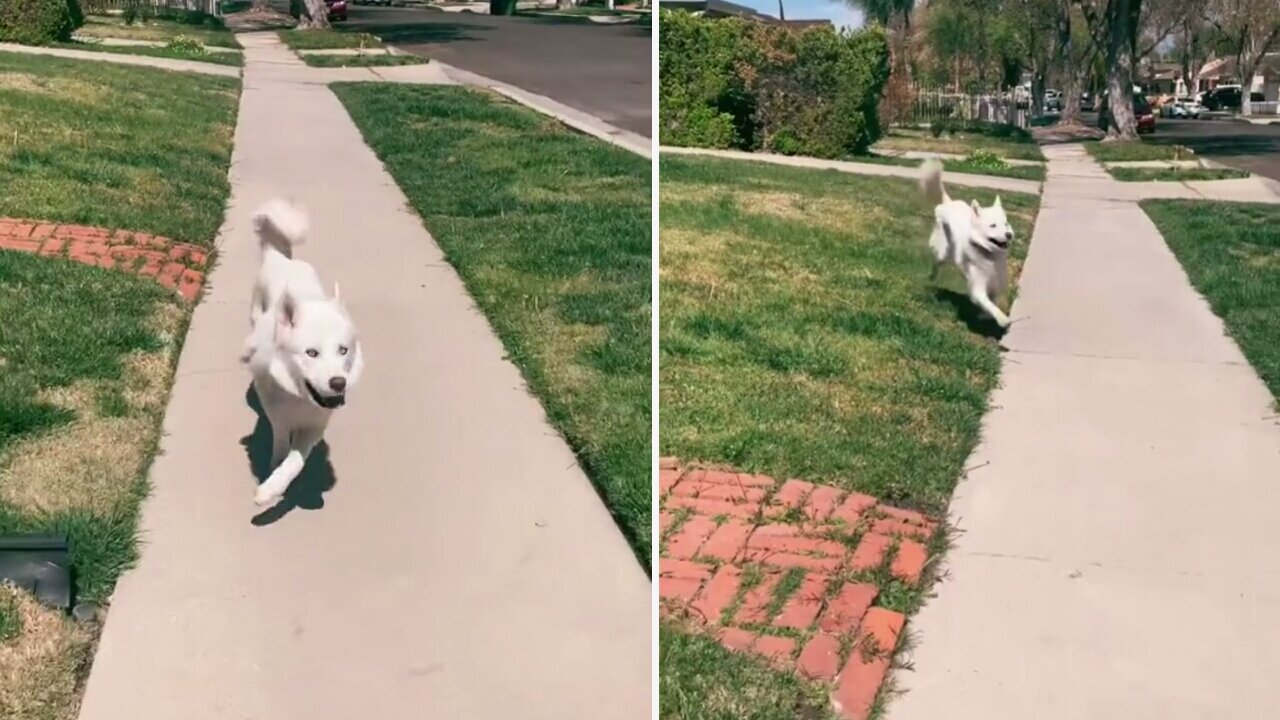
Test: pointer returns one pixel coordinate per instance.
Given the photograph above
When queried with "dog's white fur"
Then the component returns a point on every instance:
(302, 350)
(973, 238)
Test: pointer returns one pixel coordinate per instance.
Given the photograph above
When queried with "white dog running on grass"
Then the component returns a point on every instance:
(973, 238)
(302, 351)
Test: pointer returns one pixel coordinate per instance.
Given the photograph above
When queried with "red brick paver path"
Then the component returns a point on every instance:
(791, 571)
(173, 264)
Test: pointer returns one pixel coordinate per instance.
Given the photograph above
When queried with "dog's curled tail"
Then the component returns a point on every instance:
(931, 181)
(280, 225)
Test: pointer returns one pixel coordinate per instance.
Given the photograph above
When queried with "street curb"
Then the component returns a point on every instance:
(576, 119)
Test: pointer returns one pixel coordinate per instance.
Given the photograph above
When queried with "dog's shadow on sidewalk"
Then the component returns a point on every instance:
(307, 491)
(977, 321)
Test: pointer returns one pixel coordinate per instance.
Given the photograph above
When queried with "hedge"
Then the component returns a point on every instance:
(736, 84)
(39, 22)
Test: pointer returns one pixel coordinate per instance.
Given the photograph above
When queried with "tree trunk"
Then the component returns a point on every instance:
(1071, 98)
(1123, 125)
(311, 14)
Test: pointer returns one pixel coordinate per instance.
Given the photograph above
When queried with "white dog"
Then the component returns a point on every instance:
(973, 238)
(302, 351)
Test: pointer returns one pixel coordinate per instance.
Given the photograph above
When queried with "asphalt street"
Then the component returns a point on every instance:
(604, 70)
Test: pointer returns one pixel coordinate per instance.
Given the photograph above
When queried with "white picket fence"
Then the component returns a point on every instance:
(996, 107)
(208, 7)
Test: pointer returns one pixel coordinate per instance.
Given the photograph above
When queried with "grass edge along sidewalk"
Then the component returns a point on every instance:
(1231, 254)
(792, 281)
(550, 232)
(83, 391)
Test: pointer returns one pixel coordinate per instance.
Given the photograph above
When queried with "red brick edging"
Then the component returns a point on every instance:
(721, 526)
(176, 265)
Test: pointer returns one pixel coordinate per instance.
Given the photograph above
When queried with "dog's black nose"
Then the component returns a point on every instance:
(339, 384)
(1008, 235)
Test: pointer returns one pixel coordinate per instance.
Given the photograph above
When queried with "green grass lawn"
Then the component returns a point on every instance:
(87, 354)
(327, 39)
(800, 337)
(1131, 174)
(1016, 145)
(698, 679)
(115, 146)
(82, 395)
(209, 32)
(1022, 172)
(551, 232)
(234, 59)
(1231, 252)
(1125, 150)
(362, 60)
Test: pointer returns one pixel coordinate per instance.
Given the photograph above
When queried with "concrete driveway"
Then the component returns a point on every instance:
(604, 70)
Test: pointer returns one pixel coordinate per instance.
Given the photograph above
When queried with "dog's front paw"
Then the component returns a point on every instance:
(265, 496)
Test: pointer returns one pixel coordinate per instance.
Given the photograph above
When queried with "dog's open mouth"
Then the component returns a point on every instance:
(999, 242)
(332, 402)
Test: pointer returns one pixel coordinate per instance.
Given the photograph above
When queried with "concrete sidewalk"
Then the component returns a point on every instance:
(462, 566)
(195, 66)
(1117, 555)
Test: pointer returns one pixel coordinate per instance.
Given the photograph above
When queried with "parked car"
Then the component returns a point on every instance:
(1181, 107)
(337, 9)
(1086, 102)
(1141, 110)
(1228, 97)
(1052, 100)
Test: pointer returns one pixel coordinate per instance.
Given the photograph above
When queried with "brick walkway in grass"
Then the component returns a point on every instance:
(791, 571)
(173, 264)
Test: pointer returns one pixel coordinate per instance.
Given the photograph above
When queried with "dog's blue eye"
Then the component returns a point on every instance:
(342, 349)
(313, 353)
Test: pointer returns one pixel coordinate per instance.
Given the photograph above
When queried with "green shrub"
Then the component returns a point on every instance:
(730, 83)
(39, 22)
(703, 98)
(187, 45)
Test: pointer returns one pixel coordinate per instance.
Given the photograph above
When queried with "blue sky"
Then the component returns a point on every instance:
(837, 12)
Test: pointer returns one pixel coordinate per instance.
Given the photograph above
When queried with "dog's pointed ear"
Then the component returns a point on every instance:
(337, 294)
(287, 318)
(997, 203)
(977, 209)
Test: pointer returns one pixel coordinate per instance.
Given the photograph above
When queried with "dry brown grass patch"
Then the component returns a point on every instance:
(40, 667)
(93, 463)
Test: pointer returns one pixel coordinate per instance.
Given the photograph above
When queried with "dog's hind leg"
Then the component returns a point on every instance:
(299, 447)
(941, 246)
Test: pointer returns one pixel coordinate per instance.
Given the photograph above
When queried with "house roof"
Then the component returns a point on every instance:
(723, 8)
(1226, 67)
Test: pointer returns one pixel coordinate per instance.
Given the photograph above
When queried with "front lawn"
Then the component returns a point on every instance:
(1129, 150)
(87, 356)
(205, 29)
(362, 60)
(1001, 141)
(1174, 174)
(551, 231)
(1231, 253)
(800, 337)
(234, 59)
(115, 146)
(327, 39)
(974, 165)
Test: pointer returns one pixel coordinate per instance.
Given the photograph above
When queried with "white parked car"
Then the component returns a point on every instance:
(1183, 107)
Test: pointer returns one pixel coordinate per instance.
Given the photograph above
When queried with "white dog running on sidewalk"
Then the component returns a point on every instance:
(302, 351)
(973, 238)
